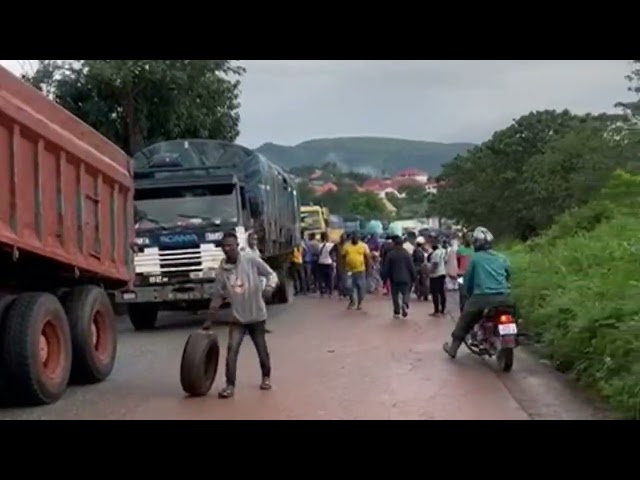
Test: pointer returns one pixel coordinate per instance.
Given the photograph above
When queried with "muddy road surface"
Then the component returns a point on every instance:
(328, 363)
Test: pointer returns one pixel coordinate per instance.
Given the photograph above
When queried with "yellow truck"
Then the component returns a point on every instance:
(316, 219)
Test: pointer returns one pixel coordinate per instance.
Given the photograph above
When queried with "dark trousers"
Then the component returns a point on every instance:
(340, 283)
(297, 274)
(473, 310)
(310, 273)
(325, 279)
(438, 293)
(400, 292)
(462, 297)
(422, 285)
(237, 332)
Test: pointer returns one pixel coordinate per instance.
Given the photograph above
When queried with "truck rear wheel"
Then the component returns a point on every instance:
(36, 349)
(143, 316)
(93, 334)
(5, 305)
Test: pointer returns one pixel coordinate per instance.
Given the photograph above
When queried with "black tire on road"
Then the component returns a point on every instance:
(93, 334)
(36, 349)
(143, 316)
(505, 359)
(199, 364)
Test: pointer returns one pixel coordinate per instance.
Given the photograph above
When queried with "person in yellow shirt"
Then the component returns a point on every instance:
(297, 271)
(356, 263)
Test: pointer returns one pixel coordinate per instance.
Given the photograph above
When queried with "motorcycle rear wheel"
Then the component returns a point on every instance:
(505, 359)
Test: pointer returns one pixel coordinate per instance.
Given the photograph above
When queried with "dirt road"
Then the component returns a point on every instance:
(328, 363)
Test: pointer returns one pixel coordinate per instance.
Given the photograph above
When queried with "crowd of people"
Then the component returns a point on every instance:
(396, 266)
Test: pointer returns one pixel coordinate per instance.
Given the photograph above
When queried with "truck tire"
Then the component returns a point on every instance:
(199, 364)
(5, 305)
(93, 334)
(143, 316)
(36, 349)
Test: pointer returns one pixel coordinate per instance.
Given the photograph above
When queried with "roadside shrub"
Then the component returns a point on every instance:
(578, 291)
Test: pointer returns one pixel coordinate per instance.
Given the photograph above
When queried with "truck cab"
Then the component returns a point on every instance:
(314, 219)
(188, 193)
(181, 215)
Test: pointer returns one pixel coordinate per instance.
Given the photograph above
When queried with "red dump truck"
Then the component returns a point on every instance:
(66, 230)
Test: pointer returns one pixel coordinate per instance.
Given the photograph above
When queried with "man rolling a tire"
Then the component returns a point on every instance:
(238, 281)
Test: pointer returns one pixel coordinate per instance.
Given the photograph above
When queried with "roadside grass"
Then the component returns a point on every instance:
(578, 292)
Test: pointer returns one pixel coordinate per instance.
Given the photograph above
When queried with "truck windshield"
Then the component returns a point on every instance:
(187, 205)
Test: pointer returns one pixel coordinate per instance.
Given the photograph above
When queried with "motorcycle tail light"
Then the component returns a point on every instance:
(503, 319)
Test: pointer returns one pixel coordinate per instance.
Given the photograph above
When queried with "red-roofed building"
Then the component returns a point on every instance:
(414, 174)
(397, 183)
(326, 188)
(375, 184)
(316, 175)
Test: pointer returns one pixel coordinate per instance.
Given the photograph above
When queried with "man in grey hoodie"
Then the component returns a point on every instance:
(238, 281)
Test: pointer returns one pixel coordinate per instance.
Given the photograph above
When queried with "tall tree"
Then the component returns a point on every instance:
(138, 102)
(484, 185)
(573, 169)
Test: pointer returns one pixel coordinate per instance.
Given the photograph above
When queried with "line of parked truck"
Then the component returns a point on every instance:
(86, 231)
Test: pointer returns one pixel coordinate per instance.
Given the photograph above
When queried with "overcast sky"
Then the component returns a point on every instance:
(290, 101)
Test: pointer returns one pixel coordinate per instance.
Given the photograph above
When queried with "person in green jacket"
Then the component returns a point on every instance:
(486, 285)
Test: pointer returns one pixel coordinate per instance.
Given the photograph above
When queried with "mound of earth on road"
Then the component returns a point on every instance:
(370, 155)
(578, 291)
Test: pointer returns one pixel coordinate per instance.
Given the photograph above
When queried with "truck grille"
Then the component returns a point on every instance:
(153, 261)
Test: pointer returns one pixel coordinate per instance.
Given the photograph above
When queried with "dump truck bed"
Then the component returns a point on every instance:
(66, 192)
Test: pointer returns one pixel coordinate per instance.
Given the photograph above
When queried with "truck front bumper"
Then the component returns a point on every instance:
(183, 292)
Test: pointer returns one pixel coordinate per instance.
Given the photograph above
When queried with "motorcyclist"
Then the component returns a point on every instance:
(486, 285)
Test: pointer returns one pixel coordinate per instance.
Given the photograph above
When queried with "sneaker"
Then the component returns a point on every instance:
(265, 384)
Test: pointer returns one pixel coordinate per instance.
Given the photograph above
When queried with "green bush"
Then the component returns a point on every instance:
(578, 291)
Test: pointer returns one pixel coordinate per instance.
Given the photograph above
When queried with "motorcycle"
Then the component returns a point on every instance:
(496, 335)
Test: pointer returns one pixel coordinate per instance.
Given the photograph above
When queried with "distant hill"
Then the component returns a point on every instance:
(371, 155)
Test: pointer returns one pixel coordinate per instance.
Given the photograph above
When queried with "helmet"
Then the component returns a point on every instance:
(481, 239)
(420, 241)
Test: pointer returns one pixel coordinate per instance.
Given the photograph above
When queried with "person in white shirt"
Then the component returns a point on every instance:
(451, 266)
(325, 265)
(437, 276)
(408, 246)
(252, 244)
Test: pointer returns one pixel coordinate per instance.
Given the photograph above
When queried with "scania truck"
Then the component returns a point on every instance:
(187, 194)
